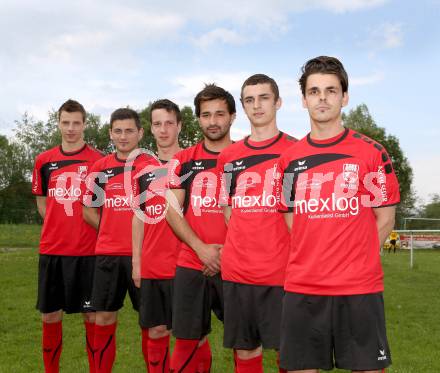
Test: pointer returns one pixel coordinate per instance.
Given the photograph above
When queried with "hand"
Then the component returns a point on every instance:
(208, 272)
(136, 274)
(209, 254)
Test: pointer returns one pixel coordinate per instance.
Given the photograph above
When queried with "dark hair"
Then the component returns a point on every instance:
(214, 92)
(261, 79)
(168, 105)
(323, 65)
(72, 106)
(125, 113)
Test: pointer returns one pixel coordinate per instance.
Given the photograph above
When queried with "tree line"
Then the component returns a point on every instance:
(32, 137)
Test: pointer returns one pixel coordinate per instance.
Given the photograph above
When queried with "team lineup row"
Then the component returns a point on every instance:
(258, 231)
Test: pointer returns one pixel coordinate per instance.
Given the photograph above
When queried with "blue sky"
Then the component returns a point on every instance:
(109, 54)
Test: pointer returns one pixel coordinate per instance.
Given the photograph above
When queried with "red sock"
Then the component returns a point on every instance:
(280, 370)
(105, 347)
(204, 358)
(52, 345)
(145, 338)
(159, 355)
(235, 361)
(90, 340)
(254, 365)
(183, 360)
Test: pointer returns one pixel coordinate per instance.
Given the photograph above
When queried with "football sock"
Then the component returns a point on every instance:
(145, 338)
(159, 355)
(105, 347)
(254, 365)
(182, 360)
(235, 361)
(280, 370)
(204, 358)
(52, 345)
(90, 340)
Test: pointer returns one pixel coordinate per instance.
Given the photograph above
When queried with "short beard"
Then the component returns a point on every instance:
(219, 136)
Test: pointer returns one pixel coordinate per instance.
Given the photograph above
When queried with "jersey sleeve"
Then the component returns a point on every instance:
(383, 186)
(225, 181)
(142, 184)
(38, 188)
(284, 186)
(94, 194)
(176, 172)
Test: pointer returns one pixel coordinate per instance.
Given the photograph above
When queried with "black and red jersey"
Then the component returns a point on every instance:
(110, 188)
(195, 170)
(256, 247)
(60, 177)
(332, 187)
(160, 245)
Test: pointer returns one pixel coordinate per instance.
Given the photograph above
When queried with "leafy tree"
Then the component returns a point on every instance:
(13, 166)
(33, 137)
(38, 136)
(361, 120)
(191, 132)
(96, 133)
(429, 210)
(16, 202)
(432, 209)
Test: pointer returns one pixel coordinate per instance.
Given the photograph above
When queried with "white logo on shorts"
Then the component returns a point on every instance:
(382, 355)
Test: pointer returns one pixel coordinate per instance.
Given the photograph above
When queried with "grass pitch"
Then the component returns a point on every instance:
(411, 298)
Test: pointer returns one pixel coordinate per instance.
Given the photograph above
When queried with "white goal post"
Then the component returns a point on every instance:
(418, 238)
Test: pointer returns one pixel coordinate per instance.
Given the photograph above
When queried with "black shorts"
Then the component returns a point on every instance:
(252, 316)
(111, 282)
(156, 303)
(195, 295)
(65, 283)
(320, 332)
(392, 242)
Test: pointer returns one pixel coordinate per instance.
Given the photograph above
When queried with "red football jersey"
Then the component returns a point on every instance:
(256, 247)
(332, 187)
(160, 245)
(60, 176)
(110, 187)
(195, 170)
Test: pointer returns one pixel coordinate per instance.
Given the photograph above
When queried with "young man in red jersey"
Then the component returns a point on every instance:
(67, 244)
(340, 191)
(155, 246)
(254, 255)
(195, 184)
(107, 192)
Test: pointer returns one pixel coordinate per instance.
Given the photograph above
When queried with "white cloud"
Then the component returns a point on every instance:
(187, 86)
(290, 93)
(343, 6)
(388, 35)
(107, 53)
(367, 80)
(237, 133)
(222, 35)
(426, 175)
(256, 19)
(393, 35)
(91, 24)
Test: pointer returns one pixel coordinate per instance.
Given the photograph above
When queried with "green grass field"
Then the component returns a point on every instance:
(19, 235)
(411, 298)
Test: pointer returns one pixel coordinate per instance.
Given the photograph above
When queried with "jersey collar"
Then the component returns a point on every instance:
(335, 140)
